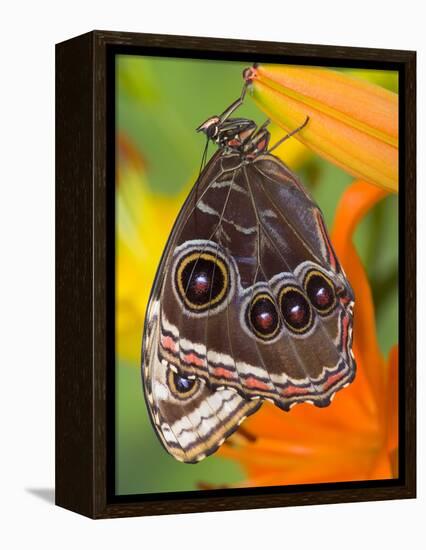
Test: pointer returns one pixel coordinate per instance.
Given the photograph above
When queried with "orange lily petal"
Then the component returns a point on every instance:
(354, 204)
(383, 467)
(353, 123)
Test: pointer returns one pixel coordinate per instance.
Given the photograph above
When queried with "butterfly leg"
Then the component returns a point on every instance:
(254, 135)
(260, 129)
(234, 106)
(292, 133)
(257, 142)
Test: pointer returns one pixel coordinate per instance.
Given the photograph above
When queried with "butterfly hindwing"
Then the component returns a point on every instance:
(191, 419)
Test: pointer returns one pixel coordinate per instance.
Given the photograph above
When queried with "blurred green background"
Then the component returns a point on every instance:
(159, 103)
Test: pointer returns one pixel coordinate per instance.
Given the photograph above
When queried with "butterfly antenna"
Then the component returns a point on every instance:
(204, 157)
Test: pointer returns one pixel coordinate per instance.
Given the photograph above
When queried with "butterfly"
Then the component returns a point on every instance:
(249, 303)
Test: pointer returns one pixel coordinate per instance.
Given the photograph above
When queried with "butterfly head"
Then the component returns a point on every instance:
(210, 127)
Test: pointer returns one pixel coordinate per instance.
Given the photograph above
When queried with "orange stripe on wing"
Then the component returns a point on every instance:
(345, 324)
(333, 379)
(168, 343)
(193, 359)
(254, 383)
(289, 391)
(220, 372)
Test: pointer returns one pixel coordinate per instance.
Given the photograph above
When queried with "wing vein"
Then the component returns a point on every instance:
(293, 347)
(285, 219)
(321, 322)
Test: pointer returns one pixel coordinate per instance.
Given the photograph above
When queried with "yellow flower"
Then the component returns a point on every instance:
(145, 221)
(352, 123)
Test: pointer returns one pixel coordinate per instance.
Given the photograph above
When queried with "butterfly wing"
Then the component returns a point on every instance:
(249, 303)
(299, 270)
(191, 418)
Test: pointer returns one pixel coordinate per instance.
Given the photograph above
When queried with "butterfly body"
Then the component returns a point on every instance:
(249, 303)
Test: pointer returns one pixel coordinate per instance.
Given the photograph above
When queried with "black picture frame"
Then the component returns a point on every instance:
(85, 264)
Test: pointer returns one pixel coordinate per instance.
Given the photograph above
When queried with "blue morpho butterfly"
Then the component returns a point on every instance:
(249, 301)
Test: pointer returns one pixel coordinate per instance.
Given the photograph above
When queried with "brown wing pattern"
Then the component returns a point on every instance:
(249, 303)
